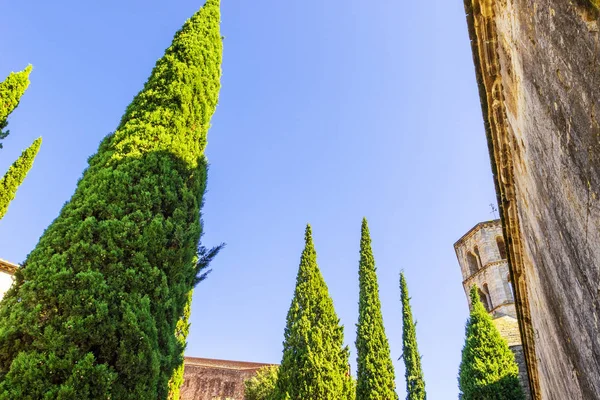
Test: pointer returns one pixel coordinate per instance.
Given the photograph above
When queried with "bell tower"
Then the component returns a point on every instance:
(481, 254)
(482, 257)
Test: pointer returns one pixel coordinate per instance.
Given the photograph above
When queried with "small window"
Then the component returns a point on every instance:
(501, 247)
(487, 300)
(472, 262)
(476, 251)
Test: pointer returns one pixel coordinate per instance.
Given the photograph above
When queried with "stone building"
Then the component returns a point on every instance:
(482, 257)
(208, 379)
(537, 66)
(7, 271)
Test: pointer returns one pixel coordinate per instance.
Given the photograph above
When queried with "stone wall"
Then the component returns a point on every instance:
(538, 66)
(6, 276)
(208, 379)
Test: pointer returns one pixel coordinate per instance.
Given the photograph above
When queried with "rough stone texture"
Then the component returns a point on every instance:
(482, 258)
(491, 270)
(208, 379)
(7, 271)
(537, 66)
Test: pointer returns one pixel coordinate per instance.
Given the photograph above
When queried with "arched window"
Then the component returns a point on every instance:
(472, 262)
(476, 251)
(501, 247)
(487, 300)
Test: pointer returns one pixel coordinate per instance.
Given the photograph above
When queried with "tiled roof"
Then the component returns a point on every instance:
(223, 364)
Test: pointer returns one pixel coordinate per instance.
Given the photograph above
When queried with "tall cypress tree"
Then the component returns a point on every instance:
(375, 373)
(415, 383)
(94, 310)
(15, 175)
(11, 90)
(315, 360)
(488, 369)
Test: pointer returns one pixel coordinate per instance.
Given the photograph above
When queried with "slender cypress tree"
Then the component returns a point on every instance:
(15, 175)
(488, 369)
(315, 360)
(11, 90)
(375, 372)
(415, 383)
(94, 310)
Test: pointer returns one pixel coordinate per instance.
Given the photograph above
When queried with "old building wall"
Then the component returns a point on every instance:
(538, 68)
(208, 379)
(7, 271)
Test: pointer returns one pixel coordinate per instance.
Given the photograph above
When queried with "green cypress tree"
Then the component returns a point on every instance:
(262, 385)
(315, 360)
(94, 310)
(15, 175)
(415, 383)
(11, 90)
(488, 369)
(375, 372)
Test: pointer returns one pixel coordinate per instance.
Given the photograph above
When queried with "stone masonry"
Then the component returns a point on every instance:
(481, 254)
(208, 379)
(7, 270)
(537, 65)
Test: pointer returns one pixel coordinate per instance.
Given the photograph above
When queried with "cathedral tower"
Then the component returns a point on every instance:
(481, 254)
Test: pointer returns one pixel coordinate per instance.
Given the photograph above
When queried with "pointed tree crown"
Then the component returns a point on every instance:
(315, 361)
(11, 90)
(488, 368)
(375, 370)
(415, 383)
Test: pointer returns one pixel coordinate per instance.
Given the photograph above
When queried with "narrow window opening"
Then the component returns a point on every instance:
(472, 263)
(501, 247)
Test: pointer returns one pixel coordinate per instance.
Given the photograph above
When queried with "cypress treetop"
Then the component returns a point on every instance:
(488, 369)
(16, 174)
(315, 360)
(93, 312)
(415, 383)
(11, 90)
(375, 371)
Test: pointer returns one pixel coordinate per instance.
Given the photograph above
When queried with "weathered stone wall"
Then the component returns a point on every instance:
(538, 68)
(7, 271)
(6, 281)
(207, 379)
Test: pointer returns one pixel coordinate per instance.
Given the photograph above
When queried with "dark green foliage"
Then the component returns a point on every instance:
(183, 325)
(415, 384)
(15, 175)
(11, 90)
(375, 373)
(94, 310)
(262, 385)
(488, 369)
(315, 360)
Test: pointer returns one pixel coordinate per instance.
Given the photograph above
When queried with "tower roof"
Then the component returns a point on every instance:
(481, 225)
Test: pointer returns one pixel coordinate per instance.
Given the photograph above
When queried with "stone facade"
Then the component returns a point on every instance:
(481, 254)
(537, 66)
(7, 270)
(208, 379)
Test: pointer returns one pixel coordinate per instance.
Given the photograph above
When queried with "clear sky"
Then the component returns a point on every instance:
(329, 111)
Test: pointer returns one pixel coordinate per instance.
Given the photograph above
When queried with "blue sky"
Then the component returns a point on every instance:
(329, 111)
